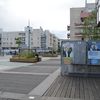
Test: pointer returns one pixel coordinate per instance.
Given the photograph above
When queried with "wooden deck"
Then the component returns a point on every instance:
(82, 88)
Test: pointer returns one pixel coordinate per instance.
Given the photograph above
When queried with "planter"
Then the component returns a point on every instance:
(25, 60)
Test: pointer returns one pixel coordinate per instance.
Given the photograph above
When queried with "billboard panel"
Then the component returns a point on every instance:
(73, 52)
(93, 53)
(79, 52)
(67, 52)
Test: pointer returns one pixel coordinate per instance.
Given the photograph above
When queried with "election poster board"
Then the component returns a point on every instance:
(93, 53)
(79, 52)
(67, 52)
(73, 52)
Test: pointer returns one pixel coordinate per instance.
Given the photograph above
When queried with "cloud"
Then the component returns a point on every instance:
(60, 34)
(50, 14)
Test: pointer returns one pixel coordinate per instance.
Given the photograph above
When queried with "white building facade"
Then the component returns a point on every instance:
(8, 40)
(35, 39)
(76, 20)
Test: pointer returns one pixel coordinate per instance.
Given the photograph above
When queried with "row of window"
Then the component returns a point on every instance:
(7, 43)
(22, 34)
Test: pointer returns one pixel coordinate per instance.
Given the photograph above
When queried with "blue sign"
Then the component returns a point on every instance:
(94, 52)
(94, 61)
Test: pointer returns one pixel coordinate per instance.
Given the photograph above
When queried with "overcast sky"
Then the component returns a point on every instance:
(53, 15)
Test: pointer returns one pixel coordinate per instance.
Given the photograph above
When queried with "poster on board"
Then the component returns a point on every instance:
(94, 53)
(67, 52)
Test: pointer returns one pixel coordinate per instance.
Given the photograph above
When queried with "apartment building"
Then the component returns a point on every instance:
(35, 39)
(55, 43)
(28, 35)
(8, 40)
(0, 37)
(76, 20)
(49, 41)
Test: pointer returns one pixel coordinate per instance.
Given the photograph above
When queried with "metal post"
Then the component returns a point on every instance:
(29, 32)
(29, 38)
(85, 3)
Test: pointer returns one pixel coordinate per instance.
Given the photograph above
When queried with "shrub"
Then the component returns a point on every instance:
(27, 54)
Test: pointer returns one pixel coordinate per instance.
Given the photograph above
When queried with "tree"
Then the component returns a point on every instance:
(90, 29)
(18, 41)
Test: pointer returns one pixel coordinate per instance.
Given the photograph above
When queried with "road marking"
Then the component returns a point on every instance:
(27, 73)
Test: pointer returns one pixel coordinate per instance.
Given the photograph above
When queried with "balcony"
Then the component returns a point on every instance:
(79, 34)
(79, 25)
(68, 28)
(68, 35)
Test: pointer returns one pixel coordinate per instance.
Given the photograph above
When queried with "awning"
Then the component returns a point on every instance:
(85, 14)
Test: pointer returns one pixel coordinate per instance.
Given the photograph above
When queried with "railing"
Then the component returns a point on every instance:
(79, 34)
(79, 25)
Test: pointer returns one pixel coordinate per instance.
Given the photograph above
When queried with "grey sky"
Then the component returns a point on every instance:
(50, 14)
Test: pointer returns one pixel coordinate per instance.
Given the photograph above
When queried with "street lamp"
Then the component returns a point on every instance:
(29, 32)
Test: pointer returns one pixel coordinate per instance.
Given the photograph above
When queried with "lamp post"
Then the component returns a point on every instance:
(85, 3)
(29, 33)
(29, 47)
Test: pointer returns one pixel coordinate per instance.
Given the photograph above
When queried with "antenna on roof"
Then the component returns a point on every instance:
(29, 22)
(85, 3)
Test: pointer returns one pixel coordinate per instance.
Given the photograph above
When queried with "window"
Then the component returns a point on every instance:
(82, 19)
(23, 34)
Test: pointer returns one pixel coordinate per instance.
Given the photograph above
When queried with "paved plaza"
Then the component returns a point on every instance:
(5, 64)
(20, 80)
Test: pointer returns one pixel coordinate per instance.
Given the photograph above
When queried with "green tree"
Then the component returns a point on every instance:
(18, 42)
(90, 29)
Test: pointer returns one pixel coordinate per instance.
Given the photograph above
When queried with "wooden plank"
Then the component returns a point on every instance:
(86, 89)
(58, 87)
(97, 82)
(97, 89)
(93, 89)
(77, 87)
(58, 94)
(82, 95)
(68, 93)
(63, 94)
(90, 90)
(59, 80)
(52, 87)
(73, 89)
